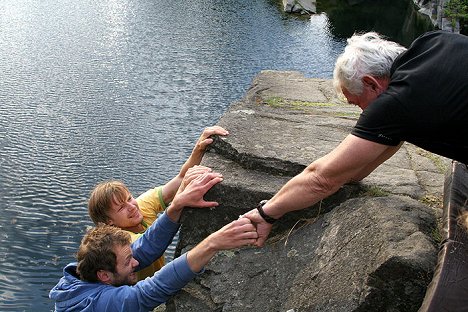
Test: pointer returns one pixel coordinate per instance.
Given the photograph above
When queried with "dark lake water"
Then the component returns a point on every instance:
(120, 89)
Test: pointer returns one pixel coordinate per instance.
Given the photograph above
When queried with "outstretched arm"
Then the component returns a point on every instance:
(170, 188)
(236, 234)
(352, 160)
(155, 240)
(176, 274)
(389, 152)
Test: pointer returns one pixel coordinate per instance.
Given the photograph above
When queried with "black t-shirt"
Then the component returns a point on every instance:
(426, 102)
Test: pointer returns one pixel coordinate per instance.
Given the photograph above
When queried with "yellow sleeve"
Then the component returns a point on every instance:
(152, 268)
(151, 204)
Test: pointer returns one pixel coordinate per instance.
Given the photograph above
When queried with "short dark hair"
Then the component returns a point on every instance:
(96, 251)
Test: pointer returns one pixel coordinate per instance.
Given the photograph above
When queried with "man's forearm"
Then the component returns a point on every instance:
(302, 191)
(200, 255)
(163, 284)
(353, 158)
(238, 233)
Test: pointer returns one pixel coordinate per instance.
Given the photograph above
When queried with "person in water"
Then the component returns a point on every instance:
(104, 277)
(112, 203)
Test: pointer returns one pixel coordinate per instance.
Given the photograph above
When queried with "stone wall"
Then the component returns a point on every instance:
(372, 246)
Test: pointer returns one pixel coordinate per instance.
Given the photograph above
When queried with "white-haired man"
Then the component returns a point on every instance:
(418, 95)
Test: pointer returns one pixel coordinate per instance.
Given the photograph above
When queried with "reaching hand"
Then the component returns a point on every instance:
(196, 156)
(192, 194)
(236, 234)
(191, 174)
(263, 227)
(205, 139)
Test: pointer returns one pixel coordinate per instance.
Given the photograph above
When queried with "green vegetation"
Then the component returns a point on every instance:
(305, 106)
(353, 115)
(436, 160)
(432, 201)
(435, 202)
(458, 10)
(436, 235)
(281, 102)
(373, 191)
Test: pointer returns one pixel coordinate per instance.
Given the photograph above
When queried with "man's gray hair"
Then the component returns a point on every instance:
(365, 54)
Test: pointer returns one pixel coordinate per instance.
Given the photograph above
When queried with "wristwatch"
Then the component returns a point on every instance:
(265, 217)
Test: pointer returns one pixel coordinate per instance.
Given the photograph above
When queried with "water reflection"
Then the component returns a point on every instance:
(398, 20)
(118, 89)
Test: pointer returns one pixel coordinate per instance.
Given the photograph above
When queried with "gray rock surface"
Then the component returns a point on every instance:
(300, 6)
(371, 246)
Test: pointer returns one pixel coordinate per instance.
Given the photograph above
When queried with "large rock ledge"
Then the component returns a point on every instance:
(372, 246)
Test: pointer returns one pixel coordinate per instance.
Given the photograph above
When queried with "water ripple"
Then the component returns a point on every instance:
(117, 90)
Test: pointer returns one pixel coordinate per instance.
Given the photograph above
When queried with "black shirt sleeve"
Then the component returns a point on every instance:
(381, 122)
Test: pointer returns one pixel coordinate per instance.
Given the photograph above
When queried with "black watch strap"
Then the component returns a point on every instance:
(266, 217)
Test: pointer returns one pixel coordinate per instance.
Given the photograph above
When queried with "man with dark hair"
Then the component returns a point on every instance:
(104, 278)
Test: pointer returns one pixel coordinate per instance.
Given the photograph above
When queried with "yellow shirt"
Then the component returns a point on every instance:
(151, 204)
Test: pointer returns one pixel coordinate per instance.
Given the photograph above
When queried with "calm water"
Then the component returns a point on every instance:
(93, 90)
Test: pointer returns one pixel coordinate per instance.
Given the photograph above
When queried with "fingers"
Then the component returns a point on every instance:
(247, 239)
(189, 178)
(240, 232)
(206, 204)
(245, 229)
(262, 227)
(209, 131)
(244, 223)
(194, 172)
(197, 169)
(254, 216)
(205, 139)
(208, 179)
(192, 194)
(260, 241)
(251, 234)
(247, 242)
(213, 180)
(250, 227)
(203, 143)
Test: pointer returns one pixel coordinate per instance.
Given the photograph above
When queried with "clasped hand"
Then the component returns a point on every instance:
(197, 181)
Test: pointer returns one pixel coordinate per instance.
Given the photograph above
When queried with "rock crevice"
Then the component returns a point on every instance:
(369, 247)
